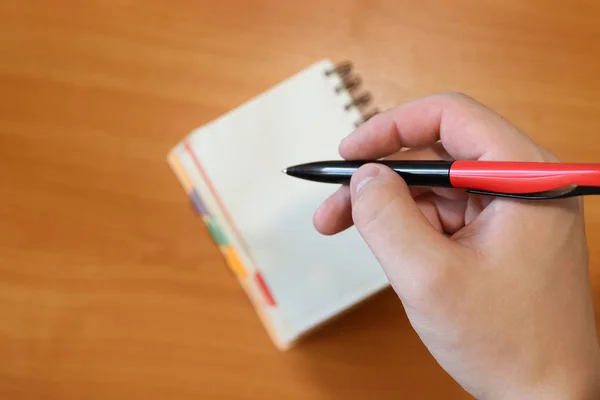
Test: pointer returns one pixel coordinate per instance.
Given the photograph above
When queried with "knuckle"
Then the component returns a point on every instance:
(458, 97)
(459, 103)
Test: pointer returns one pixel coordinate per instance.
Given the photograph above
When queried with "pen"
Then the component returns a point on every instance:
(521, 180)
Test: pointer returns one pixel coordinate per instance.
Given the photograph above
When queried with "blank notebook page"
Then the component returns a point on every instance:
(311, 277)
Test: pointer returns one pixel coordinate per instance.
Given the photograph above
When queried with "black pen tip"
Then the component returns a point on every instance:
(292, 171)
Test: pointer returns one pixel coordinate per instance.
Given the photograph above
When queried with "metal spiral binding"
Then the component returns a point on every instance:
(351, 83)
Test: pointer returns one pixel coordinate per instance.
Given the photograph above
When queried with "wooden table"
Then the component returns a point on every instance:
(110, 288)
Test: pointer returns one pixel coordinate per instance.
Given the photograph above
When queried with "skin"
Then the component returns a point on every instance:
(498, 295)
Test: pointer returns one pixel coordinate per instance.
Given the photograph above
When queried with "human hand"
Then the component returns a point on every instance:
(497, 289)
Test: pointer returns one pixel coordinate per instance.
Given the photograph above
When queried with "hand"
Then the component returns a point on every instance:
(497, 289)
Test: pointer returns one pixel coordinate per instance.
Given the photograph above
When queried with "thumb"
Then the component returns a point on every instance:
(390, 222)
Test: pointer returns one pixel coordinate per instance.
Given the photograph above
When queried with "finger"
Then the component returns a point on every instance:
(391, 223)
(435, 151)
(466, 128)
(430, 213)
(335, 214)
(442, 211)
(446, 214)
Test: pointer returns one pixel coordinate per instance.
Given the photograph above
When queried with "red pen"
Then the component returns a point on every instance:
(522, 180)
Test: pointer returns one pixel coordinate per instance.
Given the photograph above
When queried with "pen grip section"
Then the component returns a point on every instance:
(422, 173)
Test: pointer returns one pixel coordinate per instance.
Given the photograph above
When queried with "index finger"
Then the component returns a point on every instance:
(467, 129)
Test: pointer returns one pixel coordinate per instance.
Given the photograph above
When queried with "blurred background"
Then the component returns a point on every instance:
(110, 287)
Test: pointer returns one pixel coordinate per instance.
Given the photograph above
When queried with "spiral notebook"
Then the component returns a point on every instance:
(261, 219)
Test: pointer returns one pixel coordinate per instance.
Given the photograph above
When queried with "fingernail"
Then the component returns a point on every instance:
(363, 175)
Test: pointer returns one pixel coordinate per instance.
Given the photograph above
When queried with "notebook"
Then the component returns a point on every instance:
(261, 219)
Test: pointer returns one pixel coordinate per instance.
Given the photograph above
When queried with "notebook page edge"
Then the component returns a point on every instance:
(279, 332)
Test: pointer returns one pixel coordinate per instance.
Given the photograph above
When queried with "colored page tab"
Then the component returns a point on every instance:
(197, 203)
(217, 233)
(234, 261)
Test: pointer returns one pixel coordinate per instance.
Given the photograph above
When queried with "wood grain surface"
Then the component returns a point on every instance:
(110, 287)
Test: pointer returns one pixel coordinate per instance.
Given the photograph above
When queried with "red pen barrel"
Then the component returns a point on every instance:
(521, 177)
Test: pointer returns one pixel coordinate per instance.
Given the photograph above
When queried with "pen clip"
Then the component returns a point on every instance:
(561, 193)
